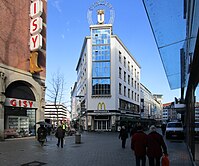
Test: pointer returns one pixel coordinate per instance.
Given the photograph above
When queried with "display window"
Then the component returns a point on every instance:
(20, 122)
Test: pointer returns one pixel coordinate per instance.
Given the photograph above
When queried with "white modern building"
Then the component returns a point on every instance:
(145, 102)
(150, 104)
(108, 80)
(57, 113)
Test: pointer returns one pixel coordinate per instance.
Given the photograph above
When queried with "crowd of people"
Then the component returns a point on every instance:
(144, 145)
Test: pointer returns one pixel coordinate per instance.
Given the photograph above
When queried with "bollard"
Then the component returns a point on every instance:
(77, 138)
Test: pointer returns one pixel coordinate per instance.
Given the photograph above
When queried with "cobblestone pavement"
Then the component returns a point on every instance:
(96, 149)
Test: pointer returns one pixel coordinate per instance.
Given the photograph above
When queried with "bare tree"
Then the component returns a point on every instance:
(56, 91)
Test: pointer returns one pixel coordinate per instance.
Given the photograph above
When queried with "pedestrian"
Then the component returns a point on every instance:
(163, 127)
(155, 147)
(60, 133)
(138, 145)
(42, 133)
(134, 128)
(123, 136)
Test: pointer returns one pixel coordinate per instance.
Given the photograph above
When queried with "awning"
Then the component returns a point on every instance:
(169, 29)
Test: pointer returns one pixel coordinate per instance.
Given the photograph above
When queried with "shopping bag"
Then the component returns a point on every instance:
(165, 160)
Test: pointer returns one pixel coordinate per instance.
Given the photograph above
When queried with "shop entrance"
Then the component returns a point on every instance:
(102, 123)
(20, 111)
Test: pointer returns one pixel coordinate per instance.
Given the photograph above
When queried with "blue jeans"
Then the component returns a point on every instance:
(138, 159)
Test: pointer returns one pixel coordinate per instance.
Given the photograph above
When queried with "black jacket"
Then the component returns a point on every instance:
(60, 133)
(123, 134)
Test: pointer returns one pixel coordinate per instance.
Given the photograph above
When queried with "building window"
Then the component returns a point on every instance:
(138, 98)
(101, 53)
(124, 76)
(129, 79)
(120, 88)
(135, 83)
(124, 90)
(132, 95)
(138, 75)
(135, 96)
(120, 72)
(101, 86)
(128, 66)
(124, 61)
(132, 82)
(135, 73)
(132, 70)
(120, 57)
(129, 93)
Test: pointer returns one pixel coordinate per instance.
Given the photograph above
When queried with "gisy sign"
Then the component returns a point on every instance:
(36, 23)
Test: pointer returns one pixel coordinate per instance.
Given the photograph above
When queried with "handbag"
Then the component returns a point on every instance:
(165, 160)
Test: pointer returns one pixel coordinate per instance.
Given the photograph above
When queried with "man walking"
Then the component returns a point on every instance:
(123, 136)
(138, 145)
(60, 133)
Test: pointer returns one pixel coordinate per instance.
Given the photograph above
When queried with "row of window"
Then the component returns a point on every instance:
(100, 36)
(129, 93)
(101, 86)
(130, 80)
(130, 67)
(125, 105)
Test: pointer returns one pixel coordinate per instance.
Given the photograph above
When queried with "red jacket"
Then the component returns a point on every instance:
(139, 143)
(155, 145)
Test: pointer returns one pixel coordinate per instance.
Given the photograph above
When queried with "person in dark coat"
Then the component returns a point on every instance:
(133, 130)
(60, 133)
(123, 136)
(155, 146)
(42, 133)
(163, 127)
(138, 145)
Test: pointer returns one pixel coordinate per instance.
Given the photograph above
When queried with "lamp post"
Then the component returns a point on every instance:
(78, 135)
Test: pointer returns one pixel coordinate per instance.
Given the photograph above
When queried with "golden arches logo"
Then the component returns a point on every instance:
(101, 105)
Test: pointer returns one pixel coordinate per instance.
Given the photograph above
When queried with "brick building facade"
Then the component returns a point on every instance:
(22, 69)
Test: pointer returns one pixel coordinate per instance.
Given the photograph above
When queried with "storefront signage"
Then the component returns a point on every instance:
(12, 102)
(36, 23)
(101, 106)
(100, 4)
(36, 8)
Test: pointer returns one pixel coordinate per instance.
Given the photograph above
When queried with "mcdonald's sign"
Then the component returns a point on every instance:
(101, 106)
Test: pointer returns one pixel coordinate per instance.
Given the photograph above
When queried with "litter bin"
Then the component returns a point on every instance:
(77, 138)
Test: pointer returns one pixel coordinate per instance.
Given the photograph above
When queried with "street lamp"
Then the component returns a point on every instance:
(78, 135)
